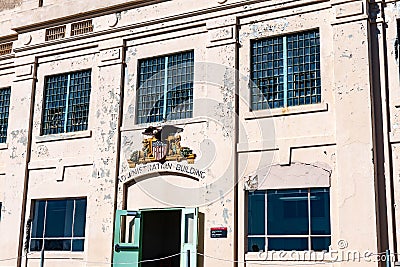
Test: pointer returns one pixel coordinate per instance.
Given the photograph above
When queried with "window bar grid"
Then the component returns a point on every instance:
(67, 98)
(165, 88)
(81, 27)
(55, 33)
(78, 101)
(285, 74)
(6, 48)
(180, 86)
(67, 102)
(304, 78)
(286, 71)
(55, 103)
(267, 73)
(166, 72)
(151, 90)
(4, 112)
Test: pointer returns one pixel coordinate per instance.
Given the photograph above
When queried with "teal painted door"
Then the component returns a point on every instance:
(189, 236)
(127, 239)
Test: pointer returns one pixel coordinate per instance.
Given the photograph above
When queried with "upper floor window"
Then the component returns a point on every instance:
(286, 71)
(165, 88)
(4, 107)
(6, 48)
(58, 224)
(289, 219)
(66, 102)
(55, 33)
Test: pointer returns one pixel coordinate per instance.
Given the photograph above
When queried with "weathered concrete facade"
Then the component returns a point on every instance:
(347, 143)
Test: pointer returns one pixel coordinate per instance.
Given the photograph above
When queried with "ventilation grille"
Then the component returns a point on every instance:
(81, 27)
(5, 48)
(55, 33)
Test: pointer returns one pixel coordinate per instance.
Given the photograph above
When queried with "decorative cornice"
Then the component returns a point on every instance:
(79, 15)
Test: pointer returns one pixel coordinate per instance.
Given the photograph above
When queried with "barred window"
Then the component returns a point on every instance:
(6, 48)
(4, 107)
(81, 27)
(165, 88)
(55, 33)
(66, 102)
(58, 225)
(286, 71)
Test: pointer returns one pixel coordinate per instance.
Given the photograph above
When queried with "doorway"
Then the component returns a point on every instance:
(157, 238)
(161, 237)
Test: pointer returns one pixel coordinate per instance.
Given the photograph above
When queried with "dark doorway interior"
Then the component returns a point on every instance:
(161, 237)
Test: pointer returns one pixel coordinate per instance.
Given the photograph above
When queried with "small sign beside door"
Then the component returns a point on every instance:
(219, 232)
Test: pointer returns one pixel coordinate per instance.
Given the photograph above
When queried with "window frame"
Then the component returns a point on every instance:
(66, 108)
(266, 236)
(285, 90)
(6, 114)
(71, 238)
(165, 88)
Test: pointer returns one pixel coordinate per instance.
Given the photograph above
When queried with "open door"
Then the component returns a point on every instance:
(189, 237)
(127, 239)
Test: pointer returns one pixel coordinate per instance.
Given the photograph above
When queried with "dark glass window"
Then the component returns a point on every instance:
(295, 219)
(286, 71)
(165, 88)
(66, 102)
(58, 225)
(4, 107)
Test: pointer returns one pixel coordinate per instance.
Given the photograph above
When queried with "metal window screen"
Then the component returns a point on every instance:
(81, 27)
(151, 90)
(4, 108)
(159, 97)
(267, 73)
(286, 71)
(60, 115)
(303, 68)
(78, 101)
(180, 86)
(55, 33)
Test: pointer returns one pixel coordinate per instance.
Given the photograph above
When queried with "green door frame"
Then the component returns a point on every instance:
(126, 253)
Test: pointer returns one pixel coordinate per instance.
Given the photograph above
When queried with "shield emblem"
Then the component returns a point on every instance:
(159, 150)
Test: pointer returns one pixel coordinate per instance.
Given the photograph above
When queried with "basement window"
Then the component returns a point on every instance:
(6, 48)
(81, 27)
(58, 225)
(55, 33)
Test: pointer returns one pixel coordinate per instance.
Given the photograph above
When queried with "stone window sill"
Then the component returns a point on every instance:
(289, 256)
(63, 136)
(57, 255)
(277, 112)
(3, 146)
